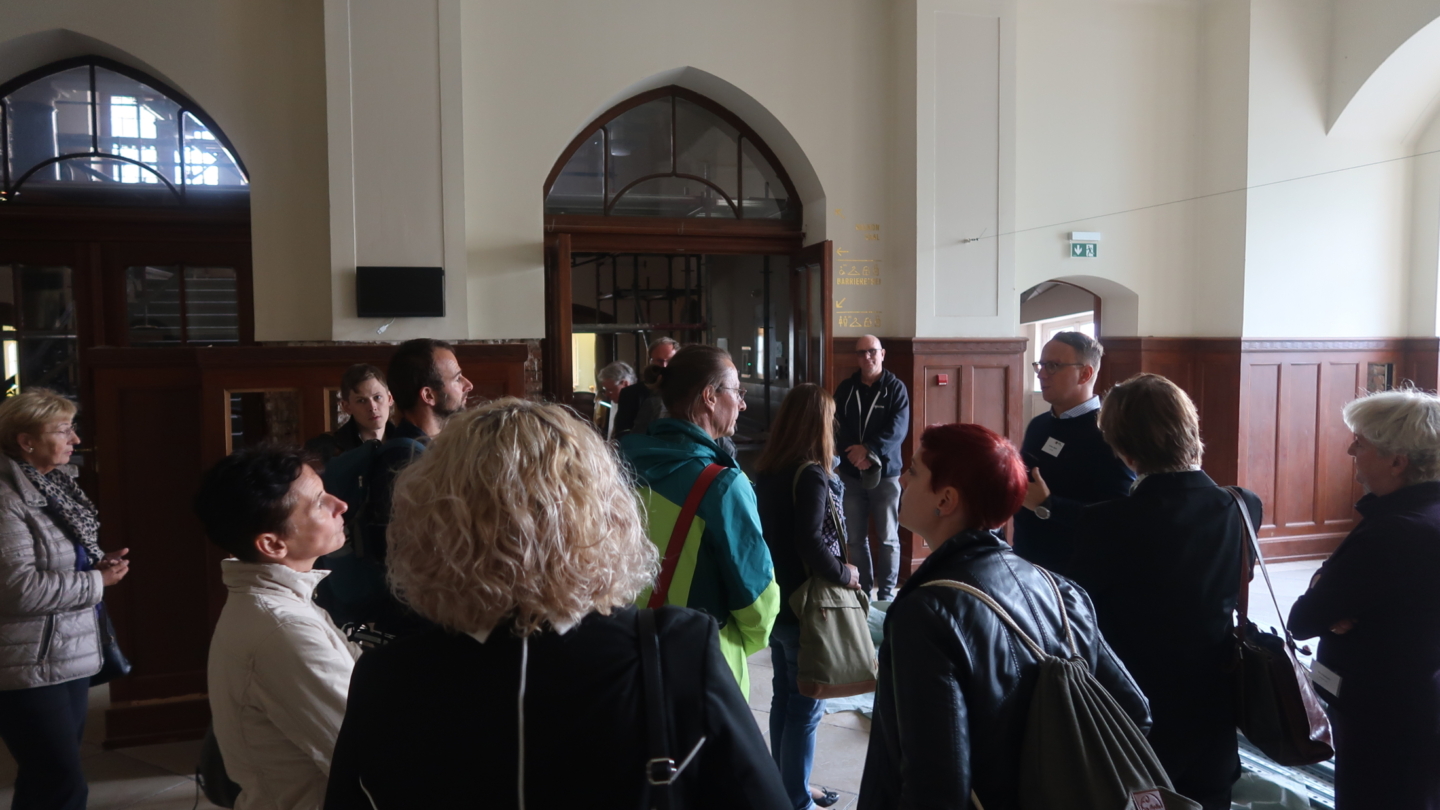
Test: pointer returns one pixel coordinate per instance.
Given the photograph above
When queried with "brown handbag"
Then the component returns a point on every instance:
(1275, 704)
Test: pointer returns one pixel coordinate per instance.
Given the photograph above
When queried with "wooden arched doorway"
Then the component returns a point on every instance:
(669, 216)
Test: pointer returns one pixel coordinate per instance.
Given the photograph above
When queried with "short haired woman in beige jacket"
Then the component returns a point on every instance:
(52, 578)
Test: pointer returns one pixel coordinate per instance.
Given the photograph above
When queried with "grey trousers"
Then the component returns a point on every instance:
(884, 503)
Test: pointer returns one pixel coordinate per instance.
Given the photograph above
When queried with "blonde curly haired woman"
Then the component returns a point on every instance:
(518, 534)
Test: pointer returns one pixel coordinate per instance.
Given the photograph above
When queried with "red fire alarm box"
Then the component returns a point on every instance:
(942, 379)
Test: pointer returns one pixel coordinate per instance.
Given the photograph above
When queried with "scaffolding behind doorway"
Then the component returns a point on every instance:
(622, 302)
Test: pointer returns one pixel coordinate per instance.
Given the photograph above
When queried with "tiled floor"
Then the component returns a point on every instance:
(152, 777)
(161, 777)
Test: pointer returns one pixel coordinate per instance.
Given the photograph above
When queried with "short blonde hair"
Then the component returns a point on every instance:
(1152, 422)
(29, 413)
(518, 511)
(1403, 422)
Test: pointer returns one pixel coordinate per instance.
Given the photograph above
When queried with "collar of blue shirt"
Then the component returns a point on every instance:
(1091, 404)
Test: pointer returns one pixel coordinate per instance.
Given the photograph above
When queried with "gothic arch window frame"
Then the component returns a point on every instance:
(10, 187)
(745, 134)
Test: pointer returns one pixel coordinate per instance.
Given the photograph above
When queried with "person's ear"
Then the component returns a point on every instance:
(1087, 374)
(427, 396)
(1400, 464)
(949, 501)
(271, 546)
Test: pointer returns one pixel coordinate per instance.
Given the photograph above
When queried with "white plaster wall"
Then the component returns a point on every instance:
(964, 169)
(1424, 292)
(396, 155)
(1107, 123)
(1327, 234)
(536, 73)
(1365, 34)
(257, 67)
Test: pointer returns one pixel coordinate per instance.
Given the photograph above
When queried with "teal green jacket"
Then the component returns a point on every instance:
(725, 567)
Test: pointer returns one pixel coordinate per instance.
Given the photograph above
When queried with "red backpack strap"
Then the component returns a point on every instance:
(682, 530)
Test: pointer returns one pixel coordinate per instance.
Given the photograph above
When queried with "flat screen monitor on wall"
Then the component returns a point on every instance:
(400, 292)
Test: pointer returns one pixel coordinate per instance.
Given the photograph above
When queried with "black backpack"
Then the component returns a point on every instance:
(357, 575)
(1081, 751)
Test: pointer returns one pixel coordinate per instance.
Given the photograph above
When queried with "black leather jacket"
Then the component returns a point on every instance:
(955, 685)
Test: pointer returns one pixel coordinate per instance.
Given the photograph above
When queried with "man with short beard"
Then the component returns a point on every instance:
(428, 387)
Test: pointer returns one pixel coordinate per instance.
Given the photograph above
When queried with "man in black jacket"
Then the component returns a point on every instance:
(429, 388)
(872, 416)
(1070, 464)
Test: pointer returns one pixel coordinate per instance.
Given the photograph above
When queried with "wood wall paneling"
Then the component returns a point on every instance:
(1270, 417)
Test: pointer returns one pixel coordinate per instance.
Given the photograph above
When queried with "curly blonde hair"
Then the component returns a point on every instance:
(518, 511)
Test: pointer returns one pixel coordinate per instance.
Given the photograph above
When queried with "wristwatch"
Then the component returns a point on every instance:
(1042, 511)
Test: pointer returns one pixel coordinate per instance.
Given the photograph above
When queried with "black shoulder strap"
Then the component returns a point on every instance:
(660, 768)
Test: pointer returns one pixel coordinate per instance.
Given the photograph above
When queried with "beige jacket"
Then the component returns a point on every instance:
(48, 630)
(279, 674)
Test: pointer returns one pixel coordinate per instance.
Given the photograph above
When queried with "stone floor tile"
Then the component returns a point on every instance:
(761, 688)
(839, 758)
(179, 758)
(118, 781)
(854, 720)
(180, 797)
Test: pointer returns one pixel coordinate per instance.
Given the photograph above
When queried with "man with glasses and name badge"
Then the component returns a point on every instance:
(1070, 465)
(872, 416)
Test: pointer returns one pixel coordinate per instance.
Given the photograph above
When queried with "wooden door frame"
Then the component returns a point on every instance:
(567, 235)
(822, 254)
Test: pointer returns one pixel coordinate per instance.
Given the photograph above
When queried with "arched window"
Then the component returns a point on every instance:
(92, 130)
(671, 153)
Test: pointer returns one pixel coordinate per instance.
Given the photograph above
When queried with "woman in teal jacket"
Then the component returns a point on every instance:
(724, 566)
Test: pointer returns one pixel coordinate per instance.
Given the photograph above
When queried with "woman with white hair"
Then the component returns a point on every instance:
(1376, 608)
(517, 533)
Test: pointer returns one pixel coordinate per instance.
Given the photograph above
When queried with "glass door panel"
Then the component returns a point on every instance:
(38, 340)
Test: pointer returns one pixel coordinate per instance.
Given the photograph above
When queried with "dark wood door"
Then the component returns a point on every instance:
(811, 283)
(559, 318)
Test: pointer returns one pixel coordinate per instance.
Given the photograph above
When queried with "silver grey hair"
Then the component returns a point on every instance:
(1404, 422)
(664, 341)
(1087, 348)
(617, 372)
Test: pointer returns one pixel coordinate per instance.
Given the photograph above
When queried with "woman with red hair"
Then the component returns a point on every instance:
(954, 687)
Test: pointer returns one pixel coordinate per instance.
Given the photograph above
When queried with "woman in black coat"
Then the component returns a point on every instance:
(517, 534)
(955, 687)
(1376, 608)
(1164, 567)
(798, 513)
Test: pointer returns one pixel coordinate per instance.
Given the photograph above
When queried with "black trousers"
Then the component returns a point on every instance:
(42, 728)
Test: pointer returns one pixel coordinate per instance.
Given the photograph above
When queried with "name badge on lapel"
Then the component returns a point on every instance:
(1053, 446)
(1325, 678)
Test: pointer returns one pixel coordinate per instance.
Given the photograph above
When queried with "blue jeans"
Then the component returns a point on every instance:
(793, 717)
(884, 503)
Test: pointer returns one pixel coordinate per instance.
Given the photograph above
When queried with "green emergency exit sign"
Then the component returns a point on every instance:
(1084, 250)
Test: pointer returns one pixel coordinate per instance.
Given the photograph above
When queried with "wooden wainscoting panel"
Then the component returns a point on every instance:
(1296, 390)
(1295, 449)
(1335, 484)
(1258, 454)
(990, 387)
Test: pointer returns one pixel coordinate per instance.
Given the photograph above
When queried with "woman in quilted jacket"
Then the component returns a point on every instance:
(52, 578)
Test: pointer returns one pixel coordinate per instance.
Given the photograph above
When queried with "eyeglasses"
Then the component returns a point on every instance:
(867, 352)
(1050, 366)
(65, 430)
(739, 390)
